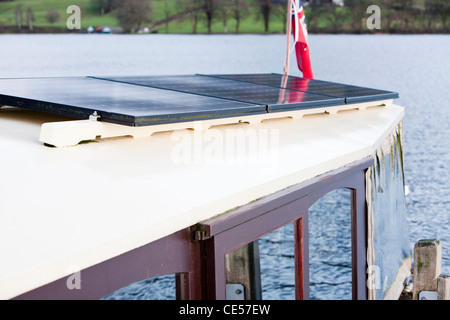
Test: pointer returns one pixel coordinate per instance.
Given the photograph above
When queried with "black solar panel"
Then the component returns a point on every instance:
(117, 102)
(352, 94)
(274, 98)
(147, 100)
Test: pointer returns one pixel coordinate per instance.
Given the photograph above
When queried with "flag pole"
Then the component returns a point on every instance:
(288, 32)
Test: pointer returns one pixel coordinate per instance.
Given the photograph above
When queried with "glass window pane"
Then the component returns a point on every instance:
(330, 265)
(276, 251)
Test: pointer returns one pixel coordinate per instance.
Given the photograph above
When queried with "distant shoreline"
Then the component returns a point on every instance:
(171, 17)
(59, 30)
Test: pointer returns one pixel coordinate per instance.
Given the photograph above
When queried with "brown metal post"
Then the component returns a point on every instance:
(215, 270)
(188, 284)
(359, 241)
(301, 258)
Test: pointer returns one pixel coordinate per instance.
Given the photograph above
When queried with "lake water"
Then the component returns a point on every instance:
(416, 66)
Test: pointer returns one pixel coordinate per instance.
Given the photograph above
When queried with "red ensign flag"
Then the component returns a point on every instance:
(301, 39)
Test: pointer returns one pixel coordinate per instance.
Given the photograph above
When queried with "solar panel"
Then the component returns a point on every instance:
(148, 100)
(277, 99)
(117, 102)
(352, 94)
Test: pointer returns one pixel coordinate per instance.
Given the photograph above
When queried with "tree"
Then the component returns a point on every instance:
(52, 15)
(166, 14)
(337, 16)
(388, 13)
(210, 10)
(103, 6)
(195, 9)
(280, 11)
(30, 18)
(132, 14)
(357, 10)
(239, 8)
(313, 14)
(19, 16)
(404, 12)
(225, 11)
(442, 8)
(202, 9)
(265, 9)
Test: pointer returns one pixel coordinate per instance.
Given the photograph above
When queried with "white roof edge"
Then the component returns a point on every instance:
(354, 140)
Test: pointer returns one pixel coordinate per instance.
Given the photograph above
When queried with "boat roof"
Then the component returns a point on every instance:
(81, 205)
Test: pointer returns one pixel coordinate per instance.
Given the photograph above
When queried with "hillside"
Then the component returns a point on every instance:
(174, 16)
(179, 19)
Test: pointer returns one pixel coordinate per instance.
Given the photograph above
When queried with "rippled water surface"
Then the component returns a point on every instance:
(416, 66)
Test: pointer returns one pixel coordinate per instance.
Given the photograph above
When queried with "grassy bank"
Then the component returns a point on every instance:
(319, 20)
(92, 17)
(40, 9)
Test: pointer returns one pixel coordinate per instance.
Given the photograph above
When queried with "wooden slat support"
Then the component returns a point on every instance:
(242, 267)
(70, 133)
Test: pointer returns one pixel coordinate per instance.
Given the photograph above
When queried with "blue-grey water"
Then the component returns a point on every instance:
(416, 66)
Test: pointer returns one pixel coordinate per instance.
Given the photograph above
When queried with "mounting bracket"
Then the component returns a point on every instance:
(70, 133)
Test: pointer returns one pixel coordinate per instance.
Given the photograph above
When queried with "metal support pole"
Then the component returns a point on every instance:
(301, 258)
(359, 241)
(288, 33)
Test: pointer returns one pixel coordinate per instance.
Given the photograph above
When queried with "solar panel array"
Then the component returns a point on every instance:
(147, 100)
(351, 94)
(230, 89)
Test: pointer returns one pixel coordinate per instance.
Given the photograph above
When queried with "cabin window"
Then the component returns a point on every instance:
(330, 247)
